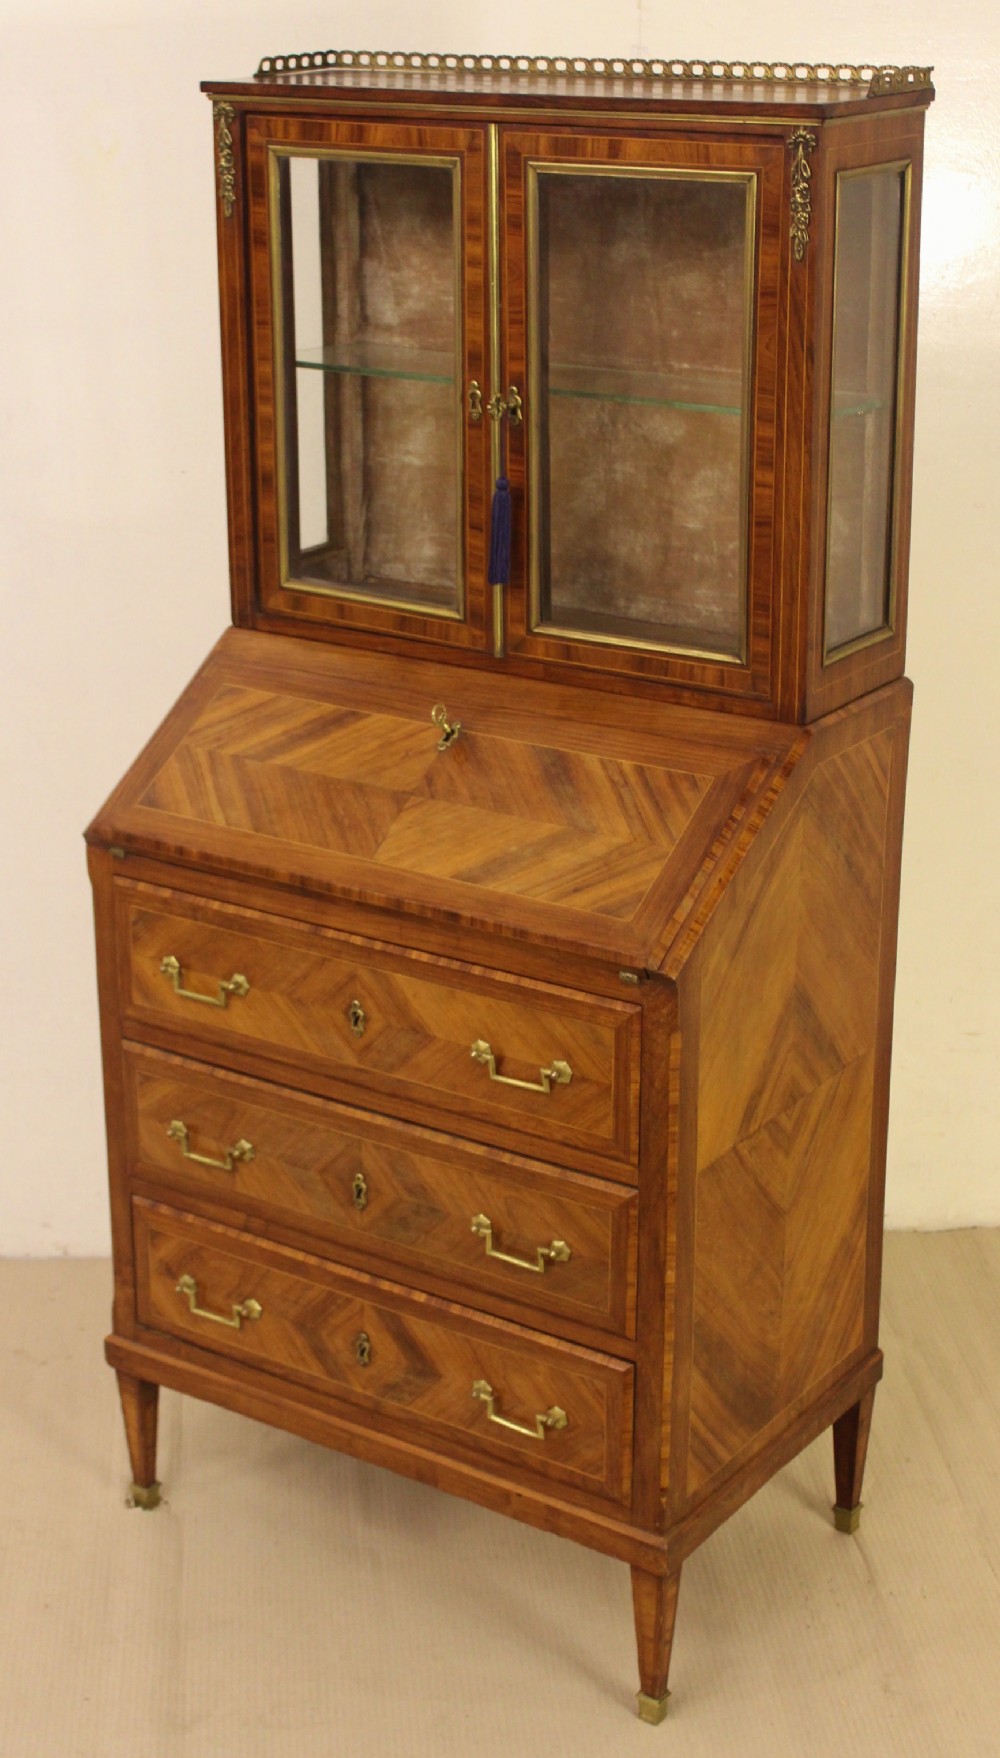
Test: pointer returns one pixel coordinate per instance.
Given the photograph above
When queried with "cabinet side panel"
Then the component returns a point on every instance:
(792, 1075)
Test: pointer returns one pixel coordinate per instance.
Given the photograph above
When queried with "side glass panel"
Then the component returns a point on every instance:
(640, 342)
(871, 212)
(368, 300)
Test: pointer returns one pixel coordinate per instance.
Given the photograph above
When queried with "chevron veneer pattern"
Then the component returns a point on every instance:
(565, 827)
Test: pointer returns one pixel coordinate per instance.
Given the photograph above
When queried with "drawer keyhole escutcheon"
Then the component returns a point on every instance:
(449, 730)
(558, 1074)
(244, 1309)
(240, 1150)
(359, 1191)
(554, 1417)
(358, 1019)
(363, 1349)
(234, 985)
(556, 1253)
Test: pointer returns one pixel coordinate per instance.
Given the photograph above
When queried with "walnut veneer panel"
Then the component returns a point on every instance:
(424, 1355)
(418, 1193)
(791, 1057)
(422, 1018)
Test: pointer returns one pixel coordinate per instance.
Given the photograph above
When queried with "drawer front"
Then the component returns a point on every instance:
(426, 1369)
(495, 1224)
(444, 1042)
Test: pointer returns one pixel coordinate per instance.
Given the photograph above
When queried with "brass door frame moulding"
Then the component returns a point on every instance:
(222, 115)
(277, 150)
(534, 168)
(871, 637)
(877, 80)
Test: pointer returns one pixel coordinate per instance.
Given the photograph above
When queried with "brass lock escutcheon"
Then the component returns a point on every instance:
(363, 1349)
(244, 1309)
(510, 405)
(234, 985)
(558, 1074)
(448, 729)
(357, 1018)
(240, 1150)
(359, 1191)
(556, 1253)
(554, 1417)
(475, 401)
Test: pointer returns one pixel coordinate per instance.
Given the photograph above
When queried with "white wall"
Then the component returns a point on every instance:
(112, 529)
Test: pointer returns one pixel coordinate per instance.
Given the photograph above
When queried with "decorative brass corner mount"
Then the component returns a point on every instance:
(802, 143)
(223, 115)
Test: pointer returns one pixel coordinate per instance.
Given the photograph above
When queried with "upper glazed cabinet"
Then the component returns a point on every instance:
(671, 305)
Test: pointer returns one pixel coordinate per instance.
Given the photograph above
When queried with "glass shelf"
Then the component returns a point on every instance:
(704, 393)
(856, 403)
(381, 360)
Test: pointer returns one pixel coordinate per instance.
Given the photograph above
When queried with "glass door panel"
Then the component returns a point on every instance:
(870, 250)
(369, 377)
(640, 337)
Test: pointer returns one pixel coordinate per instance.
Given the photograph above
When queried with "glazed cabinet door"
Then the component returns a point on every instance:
(641, 321)
(368, 302)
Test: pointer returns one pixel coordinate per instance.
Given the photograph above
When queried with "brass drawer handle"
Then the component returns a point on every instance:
(558, 1074)
(556, 1253)
(240, 1150)
(246, 1309)
(234, 985)
(551, 1418)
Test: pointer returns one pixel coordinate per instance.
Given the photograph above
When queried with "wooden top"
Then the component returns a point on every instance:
(811, 90)
(596, 824)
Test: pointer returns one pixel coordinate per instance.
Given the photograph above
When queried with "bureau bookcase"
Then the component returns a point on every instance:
(496, 941)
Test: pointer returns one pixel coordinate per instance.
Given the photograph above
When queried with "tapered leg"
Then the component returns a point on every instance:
(850, 1445)
(654, 1599)
(140, 1400)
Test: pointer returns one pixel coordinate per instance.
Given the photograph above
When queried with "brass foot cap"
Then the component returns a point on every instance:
(148, 1497)
(652, 1709)
(847, 1519)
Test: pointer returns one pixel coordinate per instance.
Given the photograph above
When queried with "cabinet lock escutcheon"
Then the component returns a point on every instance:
(510, 405)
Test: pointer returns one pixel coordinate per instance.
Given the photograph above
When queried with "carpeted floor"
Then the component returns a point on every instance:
(288, 1602)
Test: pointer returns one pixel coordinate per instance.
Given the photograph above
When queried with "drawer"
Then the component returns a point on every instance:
(454, 1045)
(422, 1368)
(501, 1227)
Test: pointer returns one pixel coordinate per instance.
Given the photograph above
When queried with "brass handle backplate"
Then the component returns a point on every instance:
(558, 1074)
(449, 730)
(240, 1150)
(556, 1253)
(234, 985)
(245, 1309)
(551, 1418)
(510, 405)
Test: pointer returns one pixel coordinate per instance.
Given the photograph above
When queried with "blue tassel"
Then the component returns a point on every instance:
(499, 568)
